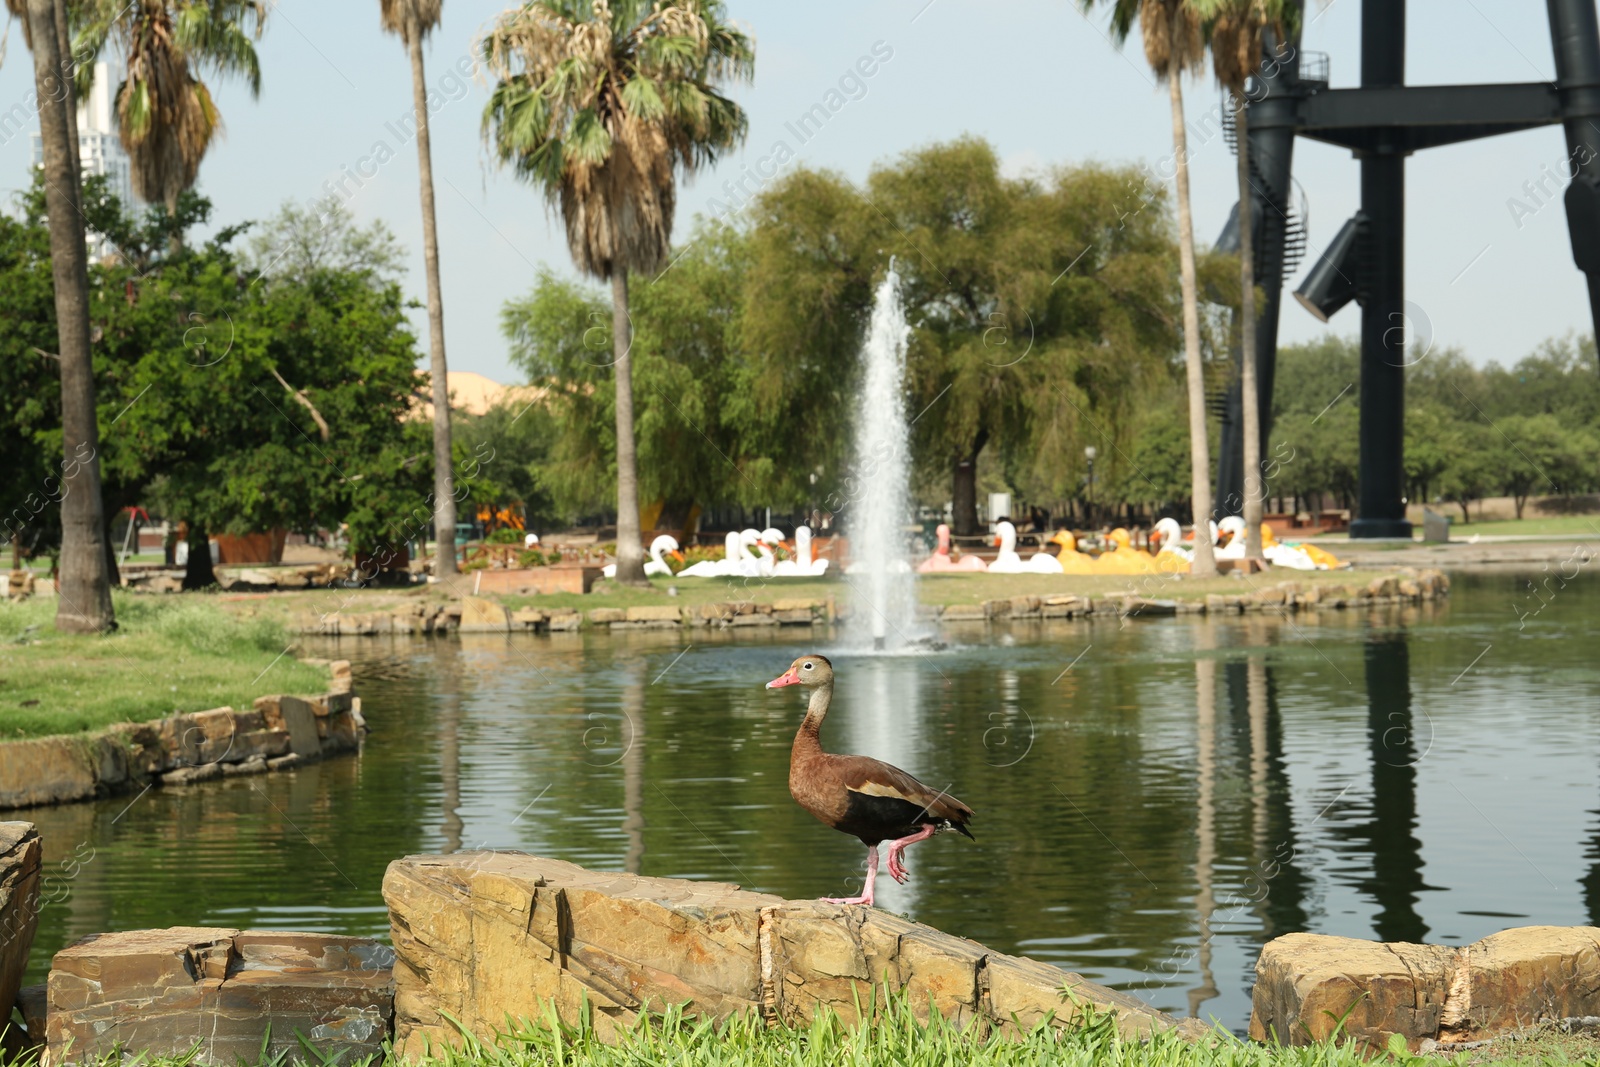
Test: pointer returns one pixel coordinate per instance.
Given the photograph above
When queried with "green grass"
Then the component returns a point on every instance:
(897, 1038)
(168, 654)
(1580, 526)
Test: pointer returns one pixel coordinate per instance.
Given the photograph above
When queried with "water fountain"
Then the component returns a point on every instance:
(881, 476)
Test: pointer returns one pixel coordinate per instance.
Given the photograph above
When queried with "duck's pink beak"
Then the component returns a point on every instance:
(788, 677)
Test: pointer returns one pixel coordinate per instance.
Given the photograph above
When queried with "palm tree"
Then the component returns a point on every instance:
(85, 582)
(413, 20)
(1173, 43)
(1237, 27)
(601, 106)
(166, 116)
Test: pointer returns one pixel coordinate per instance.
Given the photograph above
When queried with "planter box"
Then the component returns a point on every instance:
(561, 578)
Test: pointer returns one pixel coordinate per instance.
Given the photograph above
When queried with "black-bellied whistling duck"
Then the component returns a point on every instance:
(858, 795)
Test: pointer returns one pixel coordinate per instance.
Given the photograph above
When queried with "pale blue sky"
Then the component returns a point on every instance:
(1037, 79)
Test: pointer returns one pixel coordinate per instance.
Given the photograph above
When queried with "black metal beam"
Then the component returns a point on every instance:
(1519, 105)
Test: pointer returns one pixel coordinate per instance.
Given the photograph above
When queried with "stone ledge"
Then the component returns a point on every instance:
(483, 936)
(1305, 983)
(223, 994)
(183, 749)
(21, 861)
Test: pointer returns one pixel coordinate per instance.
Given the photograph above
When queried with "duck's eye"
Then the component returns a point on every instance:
(807, 667)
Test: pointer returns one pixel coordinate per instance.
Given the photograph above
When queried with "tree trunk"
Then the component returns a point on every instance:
(85, 586)
(199, 573)
(630, 548)
(1204, 564)
(444, 500)
(113, 571)
(1254, 492)
(64, 50)
(964, 490)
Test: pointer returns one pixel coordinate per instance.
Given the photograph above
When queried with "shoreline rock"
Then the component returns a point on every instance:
(277, 733)
(475, 614)
(483, 936)
(21, 863)
(224, 996)
(1309, 984)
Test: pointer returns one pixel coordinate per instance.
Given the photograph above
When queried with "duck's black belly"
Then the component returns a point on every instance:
(874, 818)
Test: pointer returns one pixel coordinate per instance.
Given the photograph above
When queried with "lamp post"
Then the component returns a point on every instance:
(1089, 454)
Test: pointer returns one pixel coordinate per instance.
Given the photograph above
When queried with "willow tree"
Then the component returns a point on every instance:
(601, 107)
(1237, 31)
(413, 20)
(85, 580)
(1174, 43)
(166, 116)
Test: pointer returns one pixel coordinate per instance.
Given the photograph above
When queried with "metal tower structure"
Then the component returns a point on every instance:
(1382, 122)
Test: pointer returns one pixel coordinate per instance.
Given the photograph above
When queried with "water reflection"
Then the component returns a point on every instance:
(449, 717)
(633, 770)
(1591, 882)
(1154, 801)
(1395, 879)
(1205, 679)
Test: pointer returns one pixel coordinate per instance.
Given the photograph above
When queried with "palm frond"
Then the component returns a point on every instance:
(601, 103)
(407, 17)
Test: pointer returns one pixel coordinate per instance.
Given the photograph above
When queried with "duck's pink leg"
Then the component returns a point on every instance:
(866, 893)
(897, 867)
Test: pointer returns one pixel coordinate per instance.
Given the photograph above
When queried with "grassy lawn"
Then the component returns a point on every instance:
(1579, 526)
(168, 654)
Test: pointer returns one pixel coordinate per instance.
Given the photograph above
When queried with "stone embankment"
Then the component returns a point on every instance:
(483, 939)
(479, 936)
(482, 615)
(277, 733)
(1312, 987)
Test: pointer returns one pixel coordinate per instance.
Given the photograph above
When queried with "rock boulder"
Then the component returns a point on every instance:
(1306, 984)
(222, 992)
(483, 936)
(21, 856)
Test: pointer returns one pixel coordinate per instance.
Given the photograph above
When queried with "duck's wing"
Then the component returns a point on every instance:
(871, 778)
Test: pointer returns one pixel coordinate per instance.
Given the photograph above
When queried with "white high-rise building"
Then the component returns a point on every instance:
(100, 148)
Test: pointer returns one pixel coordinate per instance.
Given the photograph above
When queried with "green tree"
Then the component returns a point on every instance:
(1158, 471)
(30, 390)
(601, 107)
(1237, 31)
(711, 431)
(1041, 319)
(247, 402)
(511, 445)
(1173, 44)
(1538, 452)
(1473, 473)
(413, 20)
(1434, 445)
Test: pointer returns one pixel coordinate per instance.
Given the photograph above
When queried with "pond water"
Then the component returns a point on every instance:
(1154, 800)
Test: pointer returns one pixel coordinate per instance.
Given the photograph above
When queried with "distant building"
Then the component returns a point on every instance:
(475, 394)
(100, 148)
